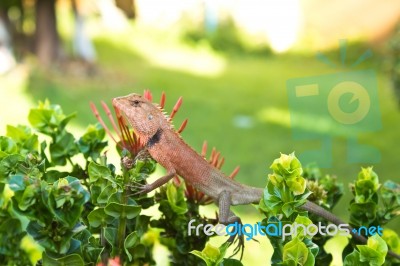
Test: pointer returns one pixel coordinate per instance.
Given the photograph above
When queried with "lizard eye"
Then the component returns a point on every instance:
(150, 117)
(135, 103)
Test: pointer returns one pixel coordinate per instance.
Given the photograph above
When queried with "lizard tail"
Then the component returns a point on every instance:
(318, 210)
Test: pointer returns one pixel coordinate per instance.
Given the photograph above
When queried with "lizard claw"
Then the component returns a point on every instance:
(239, 239)
(140, 188)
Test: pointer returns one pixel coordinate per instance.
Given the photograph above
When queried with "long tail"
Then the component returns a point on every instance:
(317, 210)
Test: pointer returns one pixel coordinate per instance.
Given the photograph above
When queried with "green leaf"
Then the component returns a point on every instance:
(391, 192)
(310, 259)
(92, 253)
(95, 192)
(142, 224)
(202, 256)
(368, 174)
(66, 120)
(99, 172)
(277, 200)
(296, 184)
(210, 254)
(118, 210)
(392, 239)
(110, 234)
(28, 197)
(296, 251)
(301, 199)
(54, 237)
(79, 227)
(312, 247)
(24, 138)
(377, 243)
(288, 208)
(52, 176)
(90, 144)
(287, 166)
(7, 147)
(303, 220)
(17, 183)
(9, 165)
(72, 259)
(63, 148)
(146, 167)
(66, 199)
(41, 120)
(353, 259)
(49, 119)
(276, 242)
(363, 213)
(222, 250)
(276, 179)
(366, 185)
(74, 246)
(176, 198)
(83, 236)
(105, 194)
(98, 217)
(10, 225)
(214, 256)
(130, 242)
(272, 202)
(374, 252)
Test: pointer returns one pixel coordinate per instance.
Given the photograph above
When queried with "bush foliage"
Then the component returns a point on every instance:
(61, 191)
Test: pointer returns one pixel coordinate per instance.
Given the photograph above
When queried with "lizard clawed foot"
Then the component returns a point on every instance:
(227, 217)
(141, 188)
(146, 188)
(239, 239)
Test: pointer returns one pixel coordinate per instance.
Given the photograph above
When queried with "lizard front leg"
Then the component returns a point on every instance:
(156, 184)
(226, 217)
(146, 188)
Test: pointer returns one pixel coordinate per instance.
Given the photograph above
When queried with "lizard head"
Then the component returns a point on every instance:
(144, 116)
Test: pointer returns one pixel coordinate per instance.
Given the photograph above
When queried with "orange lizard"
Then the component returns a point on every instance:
(166, 146)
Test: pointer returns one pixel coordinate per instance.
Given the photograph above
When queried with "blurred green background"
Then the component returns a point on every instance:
(229, 60)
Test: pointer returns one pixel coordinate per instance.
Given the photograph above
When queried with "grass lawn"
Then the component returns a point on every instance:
(238, 104)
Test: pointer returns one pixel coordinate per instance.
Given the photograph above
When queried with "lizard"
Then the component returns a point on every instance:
(166, 146)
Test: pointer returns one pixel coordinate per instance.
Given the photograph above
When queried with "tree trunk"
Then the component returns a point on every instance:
(47, 40)
(128, 7)
(7, 60)
(82, 44)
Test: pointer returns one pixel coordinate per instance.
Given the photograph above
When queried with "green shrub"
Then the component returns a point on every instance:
(81, 210)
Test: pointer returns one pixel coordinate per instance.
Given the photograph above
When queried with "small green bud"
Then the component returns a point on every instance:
(62, 182)
(287, 166)
(275, 179)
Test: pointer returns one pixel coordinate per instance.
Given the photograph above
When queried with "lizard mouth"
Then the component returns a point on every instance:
(125, 121)
(127, 137)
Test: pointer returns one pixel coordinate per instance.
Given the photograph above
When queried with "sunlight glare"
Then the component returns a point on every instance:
(279, 20)
(201, 61)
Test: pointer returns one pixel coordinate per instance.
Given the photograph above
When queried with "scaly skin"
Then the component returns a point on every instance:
(166, 146)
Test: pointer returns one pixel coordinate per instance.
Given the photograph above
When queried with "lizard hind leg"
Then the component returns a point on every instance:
(227, 217)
